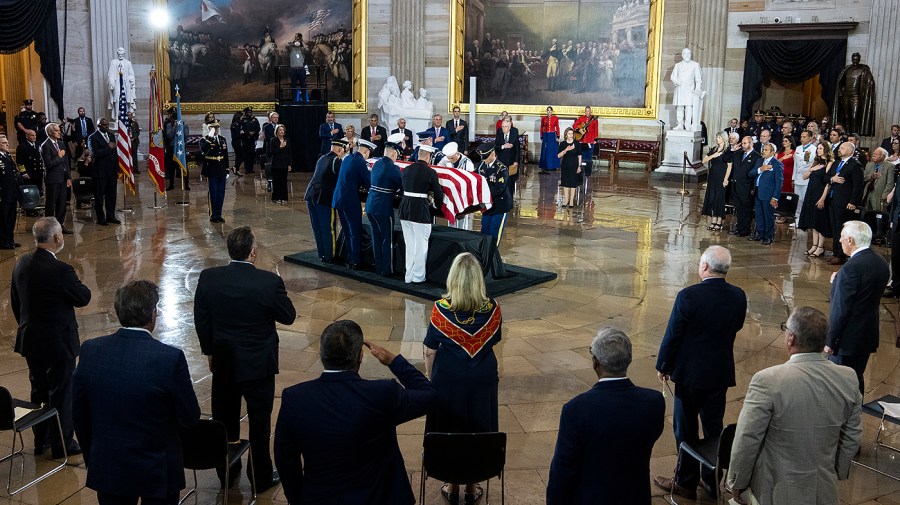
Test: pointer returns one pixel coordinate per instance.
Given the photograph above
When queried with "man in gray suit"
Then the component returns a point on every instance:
(781, 453)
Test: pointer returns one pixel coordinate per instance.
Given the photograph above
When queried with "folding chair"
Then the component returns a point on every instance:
(31, 198)
(879, 222)
(206, 446)
(83, 189)
(712, 453)
(34, 415)
(464, 458)
(787, 205)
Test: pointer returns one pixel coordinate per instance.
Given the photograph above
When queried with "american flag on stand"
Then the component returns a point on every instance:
(317, 19)
(123, 140)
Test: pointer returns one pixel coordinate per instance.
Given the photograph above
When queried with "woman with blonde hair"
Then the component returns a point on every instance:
(459, 359)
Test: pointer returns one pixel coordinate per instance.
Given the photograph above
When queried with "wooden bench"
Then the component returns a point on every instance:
(638, 151)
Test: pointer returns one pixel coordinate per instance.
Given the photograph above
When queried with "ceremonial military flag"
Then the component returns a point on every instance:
(179, 154)
(156, 159)
(123, 140)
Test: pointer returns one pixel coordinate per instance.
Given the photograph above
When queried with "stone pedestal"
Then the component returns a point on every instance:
(677, 143)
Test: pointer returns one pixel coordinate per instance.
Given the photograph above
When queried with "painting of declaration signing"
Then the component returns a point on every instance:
(558, 52)
(227, 50)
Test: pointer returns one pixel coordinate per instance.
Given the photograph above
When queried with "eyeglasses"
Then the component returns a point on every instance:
(784, 327)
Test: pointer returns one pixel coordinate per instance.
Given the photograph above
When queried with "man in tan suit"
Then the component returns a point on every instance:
(781, 453)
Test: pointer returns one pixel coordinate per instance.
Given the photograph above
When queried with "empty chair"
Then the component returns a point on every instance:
(34, 415)
(787, 205)
(205, 446)
(83, 188)
(712, 453)
(31, 199)
(879, 222)
(462, 458)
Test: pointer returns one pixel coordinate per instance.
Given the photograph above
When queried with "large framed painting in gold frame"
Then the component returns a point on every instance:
(527, 55)
(205, 51)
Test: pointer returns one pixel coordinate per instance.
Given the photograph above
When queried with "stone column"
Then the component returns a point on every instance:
(706, 27)
(407, 41)
(109, 31)
(882, 59)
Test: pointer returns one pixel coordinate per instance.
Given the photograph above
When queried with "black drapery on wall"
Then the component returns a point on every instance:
(24, 21)
(794, 61)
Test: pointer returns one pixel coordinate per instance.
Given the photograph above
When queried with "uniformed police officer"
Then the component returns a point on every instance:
(385, 188)
(214, 152)
(249, 133)
(421, 192)
(758, 124)
(319, 194)
(26, 120)
(426, 138)
(497, 175)
(354, 175)
(9, 196)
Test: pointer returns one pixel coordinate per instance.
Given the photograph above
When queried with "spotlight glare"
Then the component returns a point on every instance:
(159, 18)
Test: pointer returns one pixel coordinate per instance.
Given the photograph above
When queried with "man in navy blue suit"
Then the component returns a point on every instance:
(132, 394)
(768, 174)
(697, 353)
(336, 436)
(441, 134)
(614, 418)
(329, 130)
(856, 291)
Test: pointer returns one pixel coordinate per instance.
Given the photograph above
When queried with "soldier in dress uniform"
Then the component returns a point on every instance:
(426, 138)
(26, 120)
(9, 196)
(758, 124)
(31, 164)
(319, 195)
(421, 192)
(249, 132)
(497, 175)
(214, 153)
(354, 175)
(386, 186)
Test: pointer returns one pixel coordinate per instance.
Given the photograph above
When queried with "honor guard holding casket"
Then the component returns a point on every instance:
(386, 185)
(319, 195)
(426, 138)
(497, 175)
(354, 176)
(214, 152)
(421, 192)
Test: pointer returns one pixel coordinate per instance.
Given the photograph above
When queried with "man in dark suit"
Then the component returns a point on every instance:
(82, 128)
(508, 148)
(768, 173)
(606, 434)
(235, 310)
(734, 126)
(10, 196)
(328, 131)
(846, 179)
(132, 395)
(106, 170)
(407, 137)
(856, 291)
(376, 134)
(44, 294)
(459, 131)
(697, 353)
(28, 157)
(58, 176)
(336, 436)
(895, 135)
(441, 134)
(742, 187)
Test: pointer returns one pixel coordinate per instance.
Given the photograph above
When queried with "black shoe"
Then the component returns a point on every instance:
(72, 450)
(325, 260)
(66, 231)
(352, 266)
(709, 488)
(187, 188)
(767, 241)
(732, 231)
(265, 486)
(754, 238)
(170, 187)
(42, 449)
(103, 223)
(452, 498)
(16, 244)
(113, 221)
(889, 293)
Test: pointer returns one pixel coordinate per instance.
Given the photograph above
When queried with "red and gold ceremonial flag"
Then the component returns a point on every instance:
(155, 161)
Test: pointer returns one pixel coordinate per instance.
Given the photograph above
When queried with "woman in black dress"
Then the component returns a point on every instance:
(569, 167)
(460, 360)
(281, 165)
(717, 180)
(814, 214)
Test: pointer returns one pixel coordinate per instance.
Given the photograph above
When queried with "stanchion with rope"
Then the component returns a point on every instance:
(684, 192)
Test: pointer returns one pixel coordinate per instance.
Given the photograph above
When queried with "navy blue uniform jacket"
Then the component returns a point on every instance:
(698, 349)
(354, 174)
(131, 395)
(603, 448)
(385, 185)
(345, 430)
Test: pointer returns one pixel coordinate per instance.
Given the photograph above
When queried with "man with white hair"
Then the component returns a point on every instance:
(697, 353)
(878, 178)
(856, 291)
(614, 417)
(846, 182)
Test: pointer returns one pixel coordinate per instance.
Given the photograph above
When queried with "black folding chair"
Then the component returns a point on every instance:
(83, 188)
(787, 205)
(464, 458)
(712, 453)
(31, 198)
(879, 222)
(206, 446)
(34, 415)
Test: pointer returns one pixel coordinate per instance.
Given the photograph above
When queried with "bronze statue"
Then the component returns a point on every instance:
(854, 101)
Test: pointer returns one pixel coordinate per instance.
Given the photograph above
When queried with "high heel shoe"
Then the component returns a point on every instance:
(819, 252)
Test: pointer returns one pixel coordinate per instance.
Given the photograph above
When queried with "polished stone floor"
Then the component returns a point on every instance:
(621, 260)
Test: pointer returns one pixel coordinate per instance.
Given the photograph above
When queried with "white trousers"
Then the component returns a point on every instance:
(415, 235)
(800, 189)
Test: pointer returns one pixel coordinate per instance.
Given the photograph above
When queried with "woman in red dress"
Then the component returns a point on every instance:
(786, 157)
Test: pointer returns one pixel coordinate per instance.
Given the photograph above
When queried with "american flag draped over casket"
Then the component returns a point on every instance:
(462, 190)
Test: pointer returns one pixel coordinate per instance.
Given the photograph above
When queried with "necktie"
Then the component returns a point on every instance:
(55, 146)
(83, 128)
(506, 138)
(837, 172)
(745, 156)
(456, 124)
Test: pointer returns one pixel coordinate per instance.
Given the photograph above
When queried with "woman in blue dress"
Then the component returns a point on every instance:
(549, 161)
(459, 359)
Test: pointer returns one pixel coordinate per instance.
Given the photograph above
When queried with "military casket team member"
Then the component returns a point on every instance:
(386, 184)
(353, 176)
(420, 188)
(319, 195)
(497, 175)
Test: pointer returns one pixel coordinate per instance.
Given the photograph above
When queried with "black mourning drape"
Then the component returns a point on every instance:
(24, 21)
(792, 60)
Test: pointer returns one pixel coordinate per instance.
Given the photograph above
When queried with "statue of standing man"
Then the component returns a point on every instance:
(120, 66)
(854, 102)
(688, 91)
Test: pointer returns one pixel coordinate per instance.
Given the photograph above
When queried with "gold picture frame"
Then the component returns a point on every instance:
(651, 93)
(360, 10)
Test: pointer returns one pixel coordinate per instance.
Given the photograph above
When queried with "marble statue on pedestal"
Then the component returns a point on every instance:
(689, 92)
(120, 66)
(395, 104)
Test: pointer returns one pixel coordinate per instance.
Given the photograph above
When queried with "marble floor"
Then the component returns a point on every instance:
(621, 259)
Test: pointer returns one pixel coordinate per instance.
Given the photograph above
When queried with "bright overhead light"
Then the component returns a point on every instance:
(159, 18)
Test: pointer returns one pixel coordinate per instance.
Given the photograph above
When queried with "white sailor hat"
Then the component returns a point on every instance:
(426, 148)
(365, 143)
(394, 140)
(450, 149)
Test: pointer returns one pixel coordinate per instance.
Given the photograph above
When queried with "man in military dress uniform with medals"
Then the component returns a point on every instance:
(497, 175)
(214, 151)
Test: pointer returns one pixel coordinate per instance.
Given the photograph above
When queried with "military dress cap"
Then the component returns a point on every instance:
(485, 149)
(450, 149)
(425, 135)
(759, 112)
(429, 149)
(394, 140)
(365, 143)
(27, 101)
(340, 142)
